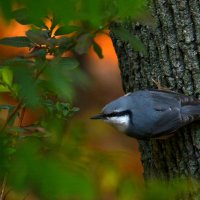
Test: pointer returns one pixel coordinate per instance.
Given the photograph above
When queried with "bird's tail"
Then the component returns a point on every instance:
(191, 110)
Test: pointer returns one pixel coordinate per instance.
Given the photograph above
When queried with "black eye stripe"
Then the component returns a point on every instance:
(118, 114)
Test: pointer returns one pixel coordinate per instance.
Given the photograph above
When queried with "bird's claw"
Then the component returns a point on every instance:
(159, 86)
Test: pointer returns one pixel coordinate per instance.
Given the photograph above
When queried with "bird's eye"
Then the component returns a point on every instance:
(113, 114)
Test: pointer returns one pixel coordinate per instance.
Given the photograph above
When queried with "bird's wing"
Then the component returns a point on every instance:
(168, 122)
(165, 99)
(166, 105)
(189, 105)
(171, 97)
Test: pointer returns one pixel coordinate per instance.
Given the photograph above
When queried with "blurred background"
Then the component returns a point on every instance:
(112, 158)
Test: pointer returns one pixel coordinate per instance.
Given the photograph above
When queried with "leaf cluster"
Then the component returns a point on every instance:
(45, 80)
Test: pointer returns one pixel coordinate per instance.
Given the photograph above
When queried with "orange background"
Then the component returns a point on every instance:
(105, 85)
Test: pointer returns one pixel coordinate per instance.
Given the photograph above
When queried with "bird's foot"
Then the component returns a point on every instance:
(159, 86)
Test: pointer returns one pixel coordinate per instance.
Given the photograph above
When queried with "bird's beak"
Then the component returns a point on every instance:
(99, 116)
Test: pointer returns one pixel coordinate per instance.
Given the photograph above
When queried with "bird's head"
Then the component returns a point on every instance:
(116, 113)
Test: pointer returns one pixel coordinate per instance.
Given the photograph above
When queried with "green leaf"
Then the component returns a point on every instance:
(27, 86)
(63, 30)
(18, 62)
(5, 142)
(92, 12)
(4, 88)
(37, 53)
(19, 41)
(6, 7)
(62, 41)
(47, 176)
(6, 79)
(58, 82)
(97, 49)
(38, 36)
(126, 36)
(132, 8)
(83, 43)
(10, 150)
(7, 76)
(21, 16)
(70, 63)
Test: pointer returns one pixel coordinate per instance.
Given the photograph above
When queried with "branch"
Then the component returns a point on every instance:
(10, 117)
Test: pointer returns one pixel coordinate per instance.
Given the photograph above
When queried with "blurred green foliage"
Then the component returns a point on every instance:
(46, 174)
(36, 158)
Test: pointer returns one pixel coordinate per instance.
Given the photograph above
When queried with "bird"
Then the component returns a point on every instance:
(151, 113)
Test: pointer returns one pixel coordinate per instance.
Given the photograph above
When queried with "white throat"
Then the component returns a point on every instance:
(121, 122)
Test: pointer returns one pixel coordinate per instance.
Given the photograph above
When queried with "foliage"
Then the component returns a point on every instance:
(45, 175)
(126, 36)
(156, 189)
(35, 158)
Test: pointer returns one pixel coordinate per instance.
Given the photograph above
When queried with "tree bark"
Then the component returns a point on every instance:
(173, 57)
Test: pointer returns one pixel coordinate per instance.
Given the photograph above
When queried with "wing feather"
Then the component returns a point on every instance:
(169, 121)
(167, 105)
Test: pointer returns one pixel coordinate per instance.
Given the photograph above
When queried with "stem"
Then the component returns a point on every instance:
(3, 187)
(22, 116)
(6, 194)
(40, 71)
(19, 105)
(11, 116)
(9, 87)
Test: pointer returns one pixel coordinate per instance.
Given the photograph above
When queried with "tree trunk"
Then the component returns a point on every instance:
(173, 57)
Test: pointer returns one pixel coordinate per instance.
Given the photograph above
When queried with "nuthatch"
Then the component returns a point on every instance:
(151, 113)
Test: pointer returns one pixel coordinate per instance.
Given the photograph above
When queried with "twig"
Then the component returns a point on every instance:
(41, 70)
(3, 187)
(9, 88)
(6, 194)
(18, 107)
(22, 116)
(10, 117)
